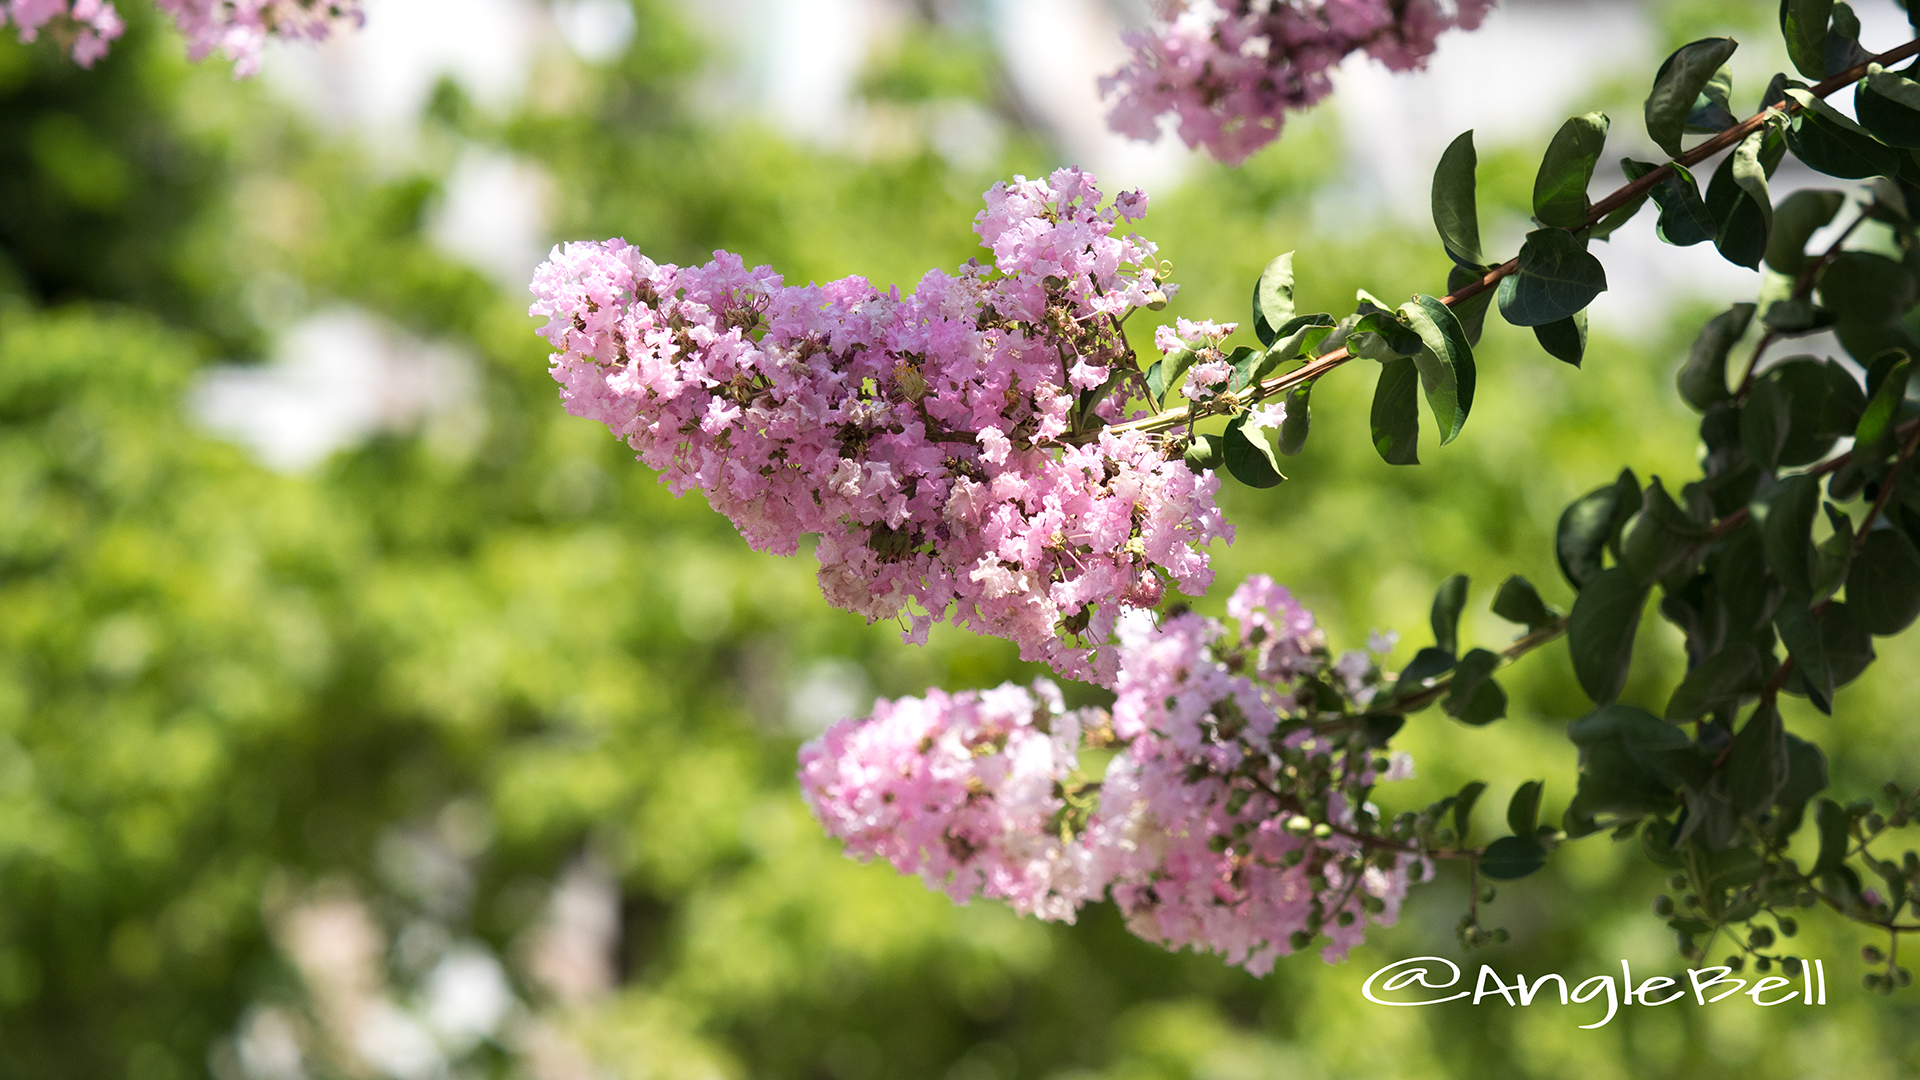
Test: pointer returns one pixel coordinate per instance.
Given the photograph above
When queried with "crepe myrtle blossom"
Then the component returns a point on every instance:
(951, 447)
(83, 27)
(238, 29)
(1228, 71)
(1228, 821)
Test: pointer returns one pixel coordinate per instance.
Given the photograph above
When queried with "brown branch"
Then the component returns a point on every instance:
(1315, 368)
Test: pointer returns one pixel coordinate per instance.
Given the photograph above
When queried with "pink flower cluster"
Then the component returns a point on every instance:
(237, 28)
(83, 27)
(1229, 70)
(1232, 819)
(950, 447)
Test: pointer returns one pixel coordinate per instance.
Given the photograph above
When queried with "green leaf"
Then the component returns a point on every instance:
(1785, 516)
(1631, 762)
(1454, 212)
(1448, 601)
(1824, 139)
(1721, 679)
(1565, 340)
(1511, 858)
(1843, 40)
(1888, 105)
(1463, 808)
(1764, 424)
(1560, 188)
(1588, 525)
(1273, 299)
(1250, 457)
(1297, 337)
(1684, 220)
(1832, 820)
(1804, 25)
(1445, 362)
(1848, 646)
(1600, 631)
(1615, 218)
(1798, 217)
(1380, 335)
(1737, 198)
(1681, 81)
(1757, 762)
(1396, 413)
(1426, 664)
(1523, 810)
(1833, 556)
(1556, 278)
(1703, 381)
(1206, 453)
(1712, 111)
(1883, 583)
(1293, 429)
(1800, 633)
(1870, 293)
(1472, 312)
(1806, 777)
(1518, 601)
(1474, 697)
(1165, 373)
(1661, 537)
(1878, 428)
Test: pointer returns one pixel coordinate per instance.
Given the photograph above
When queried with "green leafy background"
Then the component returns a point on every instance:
(223, 687)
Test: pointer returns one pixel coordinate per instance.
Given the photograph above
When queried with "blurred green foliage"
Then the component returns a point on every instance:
(223, 690)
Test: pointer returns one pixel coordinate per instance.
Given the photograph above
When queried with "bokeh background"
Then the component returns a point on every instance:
(362, 715)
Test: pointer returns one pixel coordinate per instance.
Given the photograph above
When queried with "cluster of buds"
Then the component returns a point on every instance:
(953, 448)
(1230, 70)
(1234, 816)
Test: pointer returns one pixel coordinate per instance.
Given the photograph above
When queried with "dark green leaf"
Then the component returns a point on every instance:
(1518, 601)
(1757, 762)
(1560, 188)
(1454, 212)
(1250, 457)
(1843, 40)
(1206, 452)
(1738, 201)
(1848, 646)
(1712, 111)
(1511, 858)
(1445, 363)
(1764, 423)
(1806, 777)
(1684, 220)
(1656, 839)
(1870, 293)
(1564, 340)
(1661, 537)
(1297, 337)
(1731, 869)
(1877, 429)
(1556, 278)
(1804, 25)
(1704, 380)
(1523, 810)
(1380, 335)
(1888, 104)
(1615, 218)
(1600, 631)
(1472, 312)
(1396, 413)
(1273, 299)
(1800, 633)
(1798, 217)
(1448, 601)
(1588, 526)
(1463, 808)
(1165, 373)
(1293, 429)
(1681, 81)
(1831, 818)
(1786, 517)
(1427, 664)
(1723, 678)
(1474, 697)
(1631, 762)
(1824, 139)
(1883, 584)
(1845, 403)
(1832, 556)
